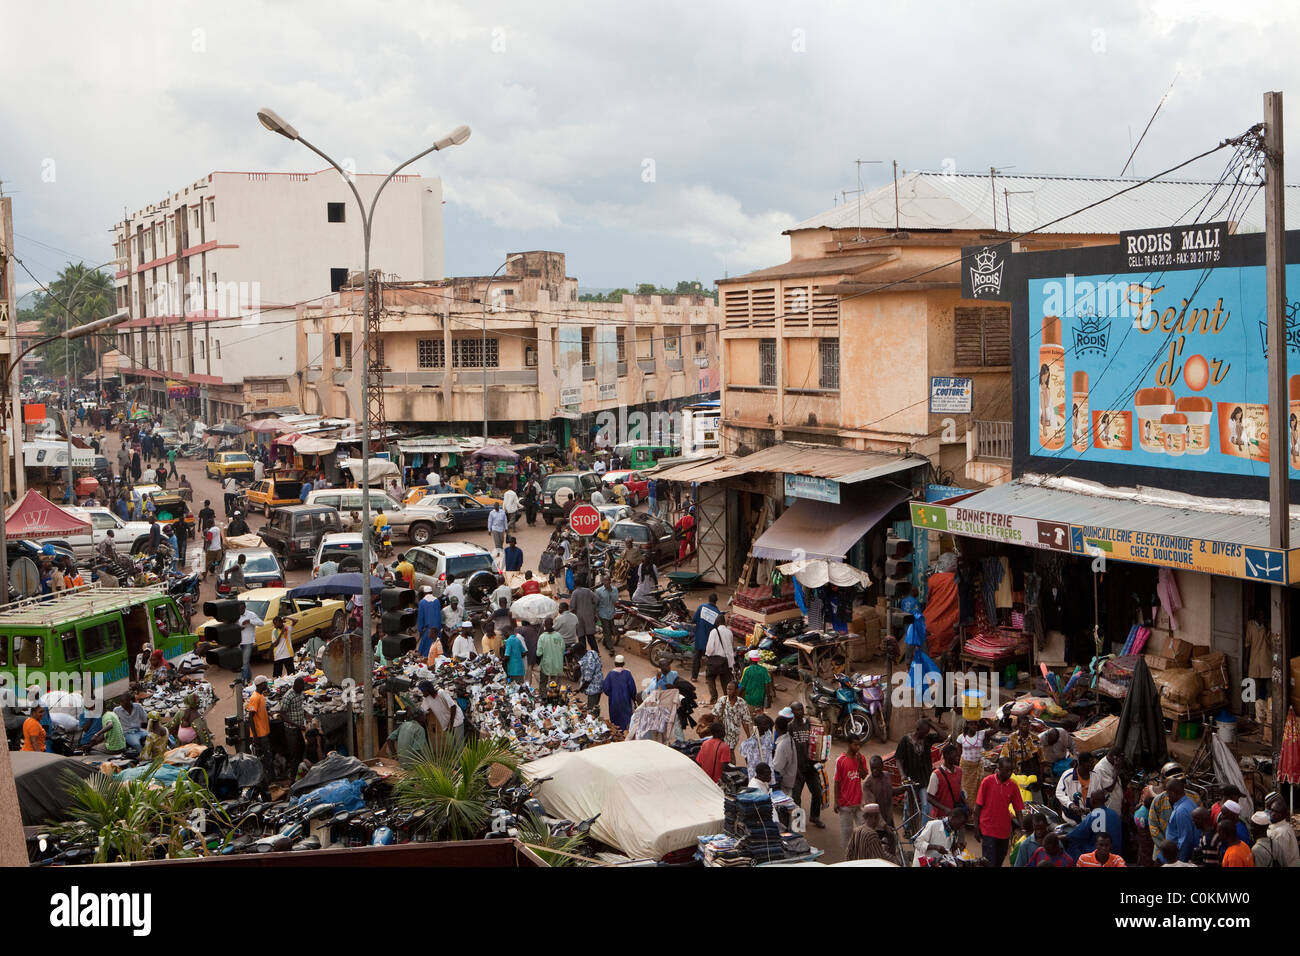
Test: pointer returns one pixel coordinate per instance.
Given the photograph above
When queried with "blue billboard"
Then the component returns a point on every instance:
(1146, 362)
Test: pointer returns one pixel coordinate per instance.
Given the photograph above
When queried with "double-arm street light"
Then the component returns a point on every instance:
(272, 121)
(76, 332)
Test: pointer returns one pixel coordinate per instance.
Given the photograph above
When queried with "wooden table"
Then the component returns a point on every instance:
(813, 657)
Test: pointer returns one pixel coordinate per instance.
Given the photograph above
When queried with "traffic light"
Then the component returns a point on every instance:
(898, 567)
(395, 622)
(225, 610)
(392, 599)
(226, 635)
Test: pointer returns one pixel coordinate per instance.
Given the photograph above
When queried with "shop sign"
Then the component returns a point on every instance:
(607, 392)
(944, 492)
(570, 395)
(816, 489)
(1139, 547)
(951, 396)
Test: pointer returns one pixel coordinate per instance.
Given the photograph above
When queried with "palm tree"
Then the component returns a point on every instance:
(451, 785)
(130, 820)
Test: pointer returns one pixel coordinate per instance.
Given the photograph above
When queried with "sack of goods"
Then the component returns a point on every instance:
(1179, 685)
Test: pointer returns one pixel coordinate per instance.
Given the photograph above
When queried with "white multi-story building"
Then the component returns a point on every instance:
(216, 269)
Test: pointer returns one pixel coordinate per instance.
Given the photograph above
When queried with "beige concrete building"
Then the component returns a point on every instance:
(552, 363)
(10, 346)
(217, 268)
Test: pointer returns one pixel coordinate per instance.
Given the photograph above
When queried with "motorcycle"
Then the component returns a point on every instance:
(670, 644)
(873, 690)
(839, 705)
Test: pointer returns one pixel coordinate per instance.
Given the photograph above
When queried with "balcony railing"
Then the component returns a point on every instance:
(993, 440)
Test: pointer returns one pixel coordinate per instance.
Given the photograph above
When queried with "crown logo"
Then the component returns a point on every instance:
(1091, 336)
(1292, 329)
(986, 274)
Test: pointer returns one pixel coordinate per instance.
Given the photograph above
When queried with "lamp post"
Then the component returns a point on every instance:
(487, 295)
(273, 121)
(90, 328)
(67, 365)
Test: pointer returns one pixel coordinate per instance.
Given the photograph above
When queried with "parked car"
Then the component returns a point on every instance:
(465, 512)
(225, 463)
(262, 569)
(325, 616)
(424, 519)
(558, 488)
(273, 492)
(648, 533)
(638, 486)
(615, 513)
(433, 562)
(343, 547)
(294, 533)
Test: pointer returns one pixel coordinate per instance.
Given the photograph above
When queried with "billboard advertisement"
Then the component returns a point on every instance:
(1146, 362)
(568, 364)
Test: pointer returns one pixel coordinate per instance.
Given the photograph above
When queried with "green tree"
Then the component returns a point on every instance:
(90, 295)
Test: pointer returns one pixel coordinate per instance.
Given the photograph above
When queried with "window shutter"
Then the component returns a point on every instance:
(997, 336)
(968, 348)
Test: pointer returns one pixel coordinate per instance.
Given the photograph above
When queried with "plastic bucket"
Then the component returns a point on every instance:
(973, 705)
(1226, 727)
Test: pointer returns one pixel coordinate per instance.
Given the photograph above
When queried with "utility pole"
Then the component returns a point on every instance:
(1279, 472)
(897, 227)
(375, 383)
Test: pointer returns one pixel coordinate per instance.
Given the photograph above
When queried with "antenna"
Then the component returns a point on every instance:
(1012, 192)
(993, 171)
(1150, 121)
(846, 192)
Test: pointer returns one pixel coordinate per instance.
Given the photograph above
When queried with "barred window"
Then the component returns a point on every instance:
(767, 362)
(468, 353)
(431, 353)
(830, 363)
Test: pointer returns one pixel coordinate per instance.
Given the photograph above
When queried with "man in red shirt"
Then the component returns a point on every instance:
(530, 586)
(998, 794)
(715, 754)
(33, 732)
(849, 771)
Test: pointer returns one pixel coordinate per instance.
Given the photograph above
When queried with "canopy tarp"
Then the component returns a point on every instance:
(821, 529)
(269, 426)
(227, 428)
(494, 453)
(36, 517)
(815, 574)
(380, 468)
(308, 444)
(42, 780)
(652, 799)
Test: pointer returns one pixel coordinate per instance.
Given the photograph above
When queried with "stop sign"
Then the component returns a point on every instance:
(584, 520)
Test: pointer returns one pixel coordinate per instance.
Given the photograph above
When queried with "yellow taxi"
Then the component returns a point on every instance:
(225, 463)
(325, 616)
(273, 492)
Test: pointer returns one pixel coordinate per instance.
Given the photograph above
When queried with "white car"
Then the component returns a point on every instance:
(102, 520)
(342, 547)
(346, 501)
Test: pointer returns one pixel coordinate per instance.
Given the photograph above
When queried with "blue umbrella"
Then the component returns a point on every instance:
(332, 584)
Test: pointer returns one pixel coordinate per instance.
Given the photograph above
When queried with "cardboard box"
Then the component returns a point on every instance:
(1180, 651)
(1214, 699)
(1098, 735)
(1210, 662)
(1157, 663)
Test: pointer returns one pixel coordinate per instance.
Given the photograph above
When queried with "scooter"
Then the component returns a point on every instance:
(839, 705)
(873, 690)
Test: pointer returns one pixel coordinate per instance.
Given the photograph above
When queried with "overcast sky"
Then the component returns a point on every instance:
(750, 113)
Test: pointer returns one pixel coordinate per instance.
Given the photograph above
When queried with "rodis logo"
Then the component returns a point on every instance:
(986, 274)
(1292, 329)
(1091, 336)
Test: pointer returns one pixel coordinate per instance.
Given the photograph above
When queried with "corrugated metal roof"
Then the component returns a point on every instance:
(969, 201)
(808, 268)
(1123, 514)
(845, 465)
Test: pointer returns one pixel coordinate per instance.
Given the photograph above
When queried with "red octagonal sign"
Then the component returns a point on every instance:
(584, 520)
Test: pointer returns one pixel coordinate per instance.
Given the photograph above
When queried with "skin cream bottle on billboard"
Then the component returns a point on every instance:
(1079, 410)
(1051, 386)
(1151, 405)
(1173, 428)
(1199, 410)
(1293, 420)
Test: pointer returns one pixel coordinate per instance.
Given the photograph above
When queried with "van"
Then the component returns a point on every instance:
(88, 631)
(348, 500)
(294, 533)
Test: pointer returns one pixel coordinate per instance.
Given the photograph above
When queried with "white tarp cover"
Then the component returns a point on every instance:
(815, 574)
(380, 468)
(652, 800)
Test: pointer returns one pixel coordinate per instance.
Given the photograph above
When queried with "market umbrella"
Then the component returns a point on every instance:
(331, 584)
(1140, 735)
(494, 453)
(227, 428)
(534, 608)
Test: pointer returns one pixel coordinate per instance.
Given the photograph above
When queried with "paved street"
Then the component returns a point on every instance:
(532, 540)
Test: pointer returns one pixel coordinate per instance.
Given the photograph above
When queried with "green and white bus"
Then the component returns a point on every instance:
(87, 633)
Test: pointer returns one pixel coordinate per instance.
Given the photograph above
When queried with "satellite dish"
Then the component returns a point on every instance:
(25, 578)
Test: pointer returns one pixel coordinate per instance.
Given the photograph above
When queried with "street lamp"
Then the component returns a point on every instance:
(67, 363)
(90, 328)
(483, 354)
(277, 124)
